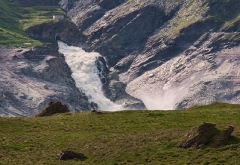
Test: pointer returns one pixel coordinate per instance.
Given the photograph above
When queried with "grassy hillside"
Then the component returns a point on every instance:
(128, 137)
(14, 18)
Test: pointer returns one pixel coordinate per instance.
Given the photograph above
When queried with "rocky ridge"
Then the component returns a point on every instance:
(170, 54)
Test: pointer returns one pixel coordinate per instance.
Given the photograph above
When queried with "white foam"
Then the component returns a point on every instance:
(85, 74)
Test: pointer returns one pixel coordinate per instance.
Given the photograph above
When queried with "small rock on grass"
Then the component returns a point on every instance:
(67, 154)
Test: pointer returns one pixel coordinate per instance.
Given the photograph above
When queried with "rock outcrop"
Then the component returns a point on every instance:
(204, 134)
(115, 89)
(199, 136)
(170, 54)
(50, 31)
(30, 79)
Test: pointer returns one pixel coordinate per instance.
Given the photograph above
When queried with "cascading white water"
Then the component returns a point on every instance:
(85, 74)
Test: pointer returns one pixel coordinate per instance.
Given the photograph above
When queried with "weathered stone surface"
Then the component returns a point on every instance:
(204, 134)
(224, 136)
(53, 108)
(199, 136)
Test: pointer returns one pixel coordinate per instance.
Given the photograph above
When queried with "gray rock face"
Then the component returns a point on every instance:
(30, 79)
(170, 54)
(39, 2)
(63, 30)
(115, 89)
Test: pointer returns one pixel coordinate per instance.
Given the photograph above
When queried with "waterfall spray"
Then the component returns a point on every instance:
(85, 74)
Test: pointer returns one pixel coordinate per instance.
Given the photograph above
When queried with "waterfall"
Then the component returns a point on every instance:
(85, 74)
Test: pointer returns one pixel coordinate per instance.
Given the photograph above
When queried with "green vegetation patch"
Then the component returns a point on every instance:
(225, 11)
(127, 137)
(38, 14)
(15, 19)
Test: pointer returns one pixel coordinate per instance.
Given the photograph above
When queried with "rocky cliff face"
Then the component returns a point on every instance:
(33, 78)
(68, 32)
(39, 2)
(63, 30)
(171, 54)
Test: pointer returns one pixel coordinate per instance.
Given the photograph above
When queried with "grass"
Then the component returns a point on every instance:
(14, 19)
(127, 137)
(225, 11)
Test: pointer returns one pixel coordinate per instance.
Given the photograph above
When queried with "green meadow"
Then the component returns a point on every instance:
(15, 18)
(125, 137)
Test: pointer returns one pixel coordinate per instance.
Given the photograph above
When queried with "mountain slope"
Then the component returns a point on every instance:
(11, 31)
(33, 72)
(171, 54)
(16, 16)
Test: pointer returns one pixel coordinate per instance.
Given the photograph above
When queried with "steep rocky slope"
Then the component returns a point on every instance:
(30, 79)
(171, 54)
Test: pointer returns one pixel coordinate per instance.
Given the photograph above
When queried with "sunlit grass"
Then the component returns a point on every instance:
(128, 137)
(14, 19)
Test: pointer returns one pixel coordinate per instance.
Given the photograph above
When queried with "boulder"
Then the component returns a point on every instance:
(53, 108)
(199, 136)
(67, 154)
(224, 136)
(204, 134)
(96, 112)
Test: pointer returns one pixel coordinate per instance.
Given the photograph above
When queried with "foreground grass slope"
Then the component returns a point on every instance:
(15, 18)
(128, 137)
